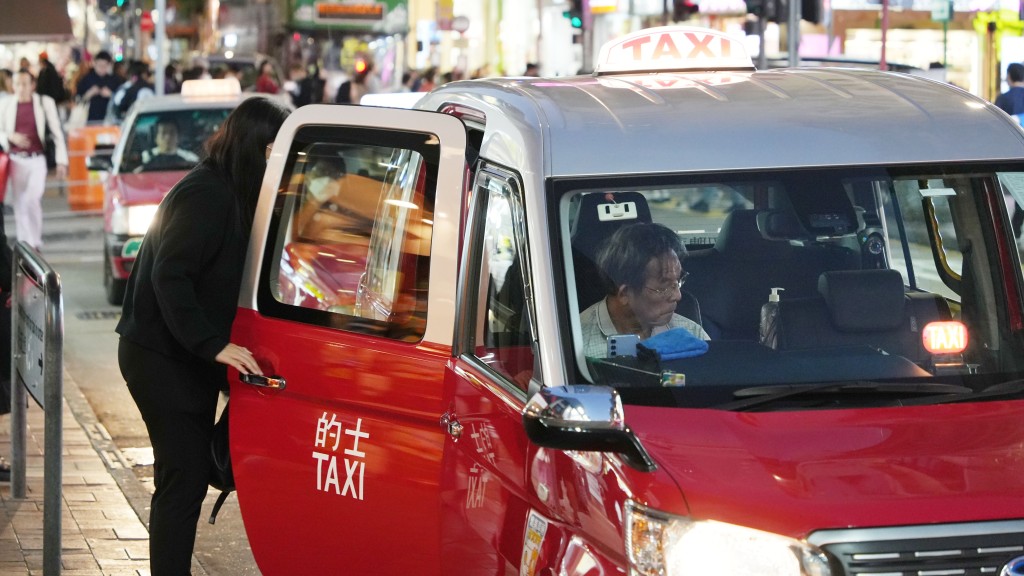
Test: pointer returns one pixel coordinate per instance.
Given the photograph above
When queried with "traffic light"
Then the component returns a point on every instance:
(575, 13)
(106, 5)
(683, 9)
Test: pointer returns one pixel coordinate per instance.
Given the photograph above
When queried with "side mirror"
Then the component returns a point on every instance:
(585, 418)
(99, 162)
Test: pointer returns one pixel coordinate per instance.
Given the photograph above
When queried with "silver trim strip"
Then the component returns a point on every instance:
(883, 556)
(825, 537)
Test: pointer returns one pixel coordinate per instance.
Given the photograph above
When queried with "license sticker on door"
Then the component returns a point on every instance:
(536, 526)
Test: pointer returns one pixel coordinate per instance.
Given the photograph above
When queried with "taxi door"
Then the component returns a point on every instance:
(348, 305)
(489, 523)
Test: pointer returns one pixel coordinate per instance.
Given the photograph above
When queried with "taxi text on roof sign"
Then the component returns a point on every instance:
(673, 49)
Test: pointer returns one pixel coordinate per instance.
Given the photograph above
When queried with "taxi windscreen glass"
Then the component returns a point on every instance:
(796, 290)
(162, 141)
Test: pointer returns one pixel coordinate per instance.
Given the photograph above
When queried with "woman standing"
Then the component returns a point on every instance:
(266, 83)
(25, 121)
(176, 321)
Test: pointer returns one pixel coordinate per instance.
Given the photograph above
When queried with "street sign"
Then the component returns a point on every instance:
(942, 10)
(29, 342)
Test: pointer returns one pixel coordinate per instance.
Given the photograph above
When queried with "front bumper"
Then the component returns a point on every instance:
(121, 251)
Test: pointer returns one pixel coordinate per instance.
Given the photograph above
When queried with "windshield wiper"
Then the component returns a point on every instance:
(758, 396)
(1008, 388)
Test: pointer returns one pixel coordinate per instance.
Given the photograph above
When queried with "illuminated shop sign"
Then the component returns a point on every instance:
(327, 13)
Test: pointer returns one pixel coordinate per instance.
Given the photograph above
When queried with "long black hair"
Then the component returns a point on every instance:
(238, 149)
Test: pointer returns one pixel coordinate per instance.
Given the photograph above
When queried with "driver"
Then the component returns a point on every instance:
(641, 269)
(166, 152)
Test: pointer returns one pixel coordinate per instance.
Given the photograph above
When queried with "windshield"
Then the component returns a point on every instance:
(887, 279)
(162, 141)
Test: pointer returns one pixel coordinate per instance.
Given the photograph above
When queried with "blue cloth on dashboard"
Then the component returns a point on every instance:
(675, 343)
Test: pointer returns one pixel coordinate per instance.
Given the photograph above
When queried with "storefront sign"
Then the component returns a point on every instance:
(382, 16)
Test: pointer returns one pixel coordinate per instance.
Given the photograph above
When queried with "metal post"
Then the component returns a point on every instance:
(793, 34)
(762, 56)
(882, 64)
(19, 422)
(161, 45)
(45, 345)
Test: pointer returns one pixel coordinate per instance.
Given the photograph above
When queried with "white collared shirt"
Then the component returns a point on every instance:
(596, 325)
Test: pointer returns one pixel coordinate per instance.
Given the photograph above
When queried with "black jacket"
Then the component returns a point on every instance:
(183, 290)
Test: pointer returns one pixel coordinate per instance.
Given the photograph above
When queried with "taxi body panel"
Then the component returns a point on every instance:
(464, 364)
(792, 475)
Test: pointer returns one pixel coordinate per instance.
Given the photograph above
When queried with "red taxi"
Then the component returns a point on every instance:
(433, 405)
(161, 139)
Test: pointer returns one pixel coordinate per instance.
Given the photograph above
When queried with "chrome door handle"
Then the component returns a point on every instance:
(272, 382)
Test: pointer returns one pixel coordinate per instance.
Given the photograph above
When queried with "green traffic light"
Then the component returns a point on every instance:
(120, 3)
(576, 22)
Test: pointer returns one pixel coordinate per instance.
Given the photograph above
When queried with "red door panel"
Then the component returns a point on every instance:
(345, 461)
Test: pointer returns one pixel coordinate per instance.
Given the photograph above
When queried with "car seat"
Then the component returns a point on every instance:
(860, 308)
(734, 278)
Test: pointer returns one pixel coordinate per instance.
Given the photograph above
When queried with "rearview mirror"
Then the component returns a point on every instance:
(584, 418)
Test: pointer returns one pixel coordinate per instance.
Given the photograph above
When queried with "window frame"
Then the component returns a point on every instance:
(470, 307)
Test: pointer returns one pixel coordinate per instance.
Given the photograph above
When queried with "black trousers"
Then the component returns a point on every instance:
(178, 402)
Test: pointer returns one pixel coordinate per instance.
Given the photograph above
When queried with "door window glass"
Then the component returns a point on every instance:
(350, 240)
(503, 340)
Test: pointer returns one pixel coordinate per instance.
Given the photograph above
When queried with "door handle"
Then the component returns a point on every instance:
(272, 382)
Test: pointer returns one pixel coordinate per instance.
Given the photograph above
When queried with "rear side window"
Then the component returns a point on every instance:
(349, 245)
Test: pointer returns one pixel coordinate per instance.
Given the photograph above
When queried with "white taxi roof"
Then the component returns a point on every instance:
(656, 122)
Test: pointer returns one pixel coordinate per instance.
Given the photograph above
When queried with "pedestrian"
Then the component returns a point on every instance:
(138, 87)
(6, 258)
(532, 69)
(49, 82)
(352, 91)
(176, 321)
(6, 83)
(1012, 102)
(26, 121)
(266, 83)
(98, 86)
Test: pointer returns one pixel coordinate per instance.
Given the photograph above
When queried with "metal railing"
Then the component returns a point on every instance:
(37, 368)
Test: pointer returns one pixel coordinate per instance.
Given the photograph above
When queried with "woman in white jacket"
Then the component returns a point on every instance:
(24, 122)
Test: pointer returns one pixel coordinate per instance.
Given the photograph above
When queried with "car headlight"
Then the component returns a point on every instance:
(664, 544)
(132, 220)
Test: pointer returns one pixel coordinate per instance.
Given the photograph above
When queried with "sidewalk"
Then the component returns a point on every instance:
(101, 533)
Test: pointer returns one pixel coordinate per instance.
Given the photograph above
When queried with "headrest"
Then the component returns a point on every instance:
(811, 211)
(863, 300)
(610, 209)
(740, 239)
(602, 213)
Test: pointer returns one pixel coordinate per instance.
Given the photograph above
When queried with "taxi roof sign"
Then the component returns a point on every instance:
(673, 49)
(210, 88)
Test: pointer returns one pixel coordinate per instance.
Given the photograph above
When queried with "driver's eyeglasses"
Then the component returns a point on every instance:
(668, 290)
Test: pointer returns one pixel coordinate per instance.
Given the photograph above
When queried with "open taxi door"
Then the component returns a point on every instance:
(348, 303)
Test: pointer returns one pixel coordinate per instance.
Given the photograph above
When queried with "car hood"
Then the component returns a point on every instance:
(146, 187)
(794, 472)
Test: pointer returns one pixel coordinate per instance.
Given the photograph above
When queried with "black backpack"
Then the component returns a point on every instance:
(221, 476)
